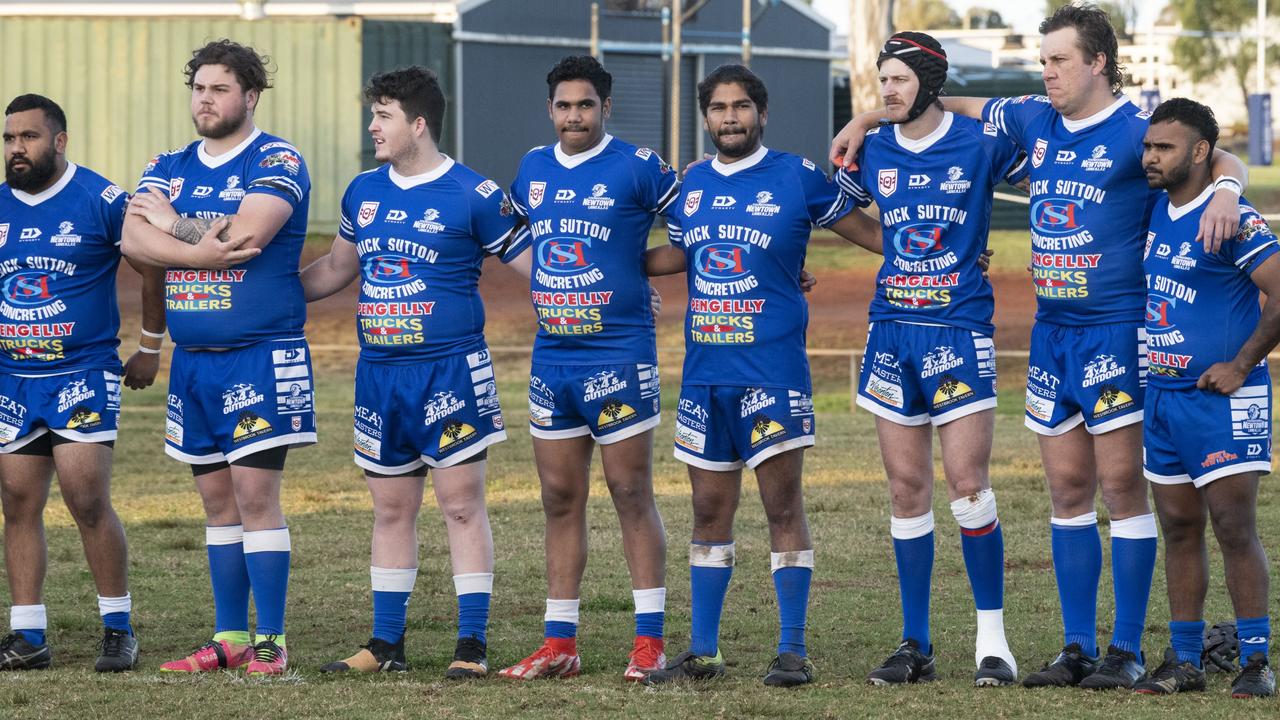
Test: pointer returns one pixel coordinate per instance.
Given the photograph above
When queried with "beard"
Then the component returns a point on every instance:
(37, 176)
(737, 145)
(1174, 176)
(222, 127)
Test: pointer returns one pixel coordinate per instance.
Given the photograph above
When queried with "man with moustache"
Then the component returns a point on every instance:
(60, 378)
(226, 216)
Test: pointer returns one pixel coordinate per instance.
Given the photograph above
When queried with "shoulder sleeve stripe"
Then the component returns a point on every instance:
(1246, 260)
(1022, 163)
(279, 183)
(834, 211)
(995, 115)
(668, 196)
(852, 188)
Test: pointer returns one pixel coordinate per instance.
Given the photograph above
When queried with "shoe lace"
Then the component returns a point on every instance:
(899, 658)
(469, 649)
(112, 641)
(990, 663)
(1165, 671)
(267, 651)
(1114, 662)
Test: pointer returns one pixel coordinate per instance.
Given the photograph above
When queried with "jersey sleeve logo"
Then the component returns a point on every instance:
(644, 153)
(1039, 151)
(691, 202)
(368, 211)
(175, 189)
(286, 159)
(887, 181)
(487, 188)
(4, 233)
(537, 191)
(111, 192)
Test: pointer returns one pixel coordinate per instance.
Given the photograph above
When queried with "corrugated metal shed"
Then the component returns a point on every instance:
(120, 81)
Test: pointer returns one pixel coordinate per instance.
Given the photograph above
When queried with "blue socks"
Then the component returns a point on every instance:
(1077, 565)
(391, 590)
(913, 550)
(650, 611)
(116, 612)
(982, 543)
(266, 559)
(710, 568)
(473, 591)
(1255, 637)
(792, 573)
(561, 620)
(229, 577)
(1187, 639)
(1133, 560)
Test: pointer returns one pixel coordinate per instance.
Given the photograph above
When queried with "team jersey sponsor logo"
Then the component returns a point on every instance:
(1102, 368)
(249, 425)
(66, 236)
(175, 188)
(801, 403)
(689, 438)
(1181, 261)
(598, 201)
(83, 418)
(1250, 413)
(951, 390)
(75, 393)
(755, 400)
(487, 188)
(564, 195)
(1146, 249)
(918, 180)
(296, 397)
(764, 429)
(644, 153)
(233, 191)
(691, 202)
(537, 191)
(808, 164)
(1097, 161)
(692, 414)
(151, 164)
(721, 261)
(605, 382)
(111, 192)
(1218, 457)
(939, 360)
(29, 234)
(29, 294)
(367, 445)
(12, 416)
(1040, 408)
(1057, 215)
(427, 223)
(1255, 449)
(239, 397)
(1252, 226)
(1064, 157)
(542, 402)
(1038, 152)
(285, 159)
(723, 202)
(202, 191)
(4, 233)
(764, 205)
(955, 182)
(1111, 400)
(395, 216)
(367, 213)
(989, 129)
(887, 181)
(615, 413)
(440, 406)
(454, 434)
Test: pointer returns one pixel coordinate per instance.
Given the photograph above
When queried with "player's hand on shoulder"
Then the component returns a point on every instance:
(140, 370)
(695, 163)
(153, 206)
(1223, 377)
(216, 254)
(1220, 220)
(847, 142)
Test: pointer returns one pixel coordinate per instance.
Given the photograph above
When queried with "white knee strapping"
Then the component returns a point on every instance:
(392, 579)
(1140, 527)
(975, 511)
(1084, 520)
(562, 611)
(223, 534)
(712, 555)
(912, 527)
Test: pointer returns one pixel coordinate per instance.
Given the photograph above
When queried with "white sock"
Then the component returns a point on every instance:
(990, 639)
(562, 611)
(28, 617)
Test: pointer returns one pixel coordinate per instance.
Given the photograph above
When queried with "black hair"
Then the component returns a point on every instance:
(418, 91)
(53, 115)
(244, 62)
(580, 67)
(734, 73)
(1094, 35)
(1194, 115)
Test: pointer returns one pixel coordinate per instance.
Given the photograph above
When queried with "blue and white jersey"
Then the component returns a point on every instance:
(59, 251)
(934, 197)
(258, 300)
(421, 241)
(589, 217)
(744, 229)
(1089, 207)
(1201, 307)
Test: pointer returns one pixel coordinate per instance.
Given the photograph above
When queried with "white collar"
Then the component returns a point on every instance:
(407, 182)
(54, 189)
(213, 161)
(926, 142)
(573, 161)
(739, 165)
(1094, 119)
(1202, 198)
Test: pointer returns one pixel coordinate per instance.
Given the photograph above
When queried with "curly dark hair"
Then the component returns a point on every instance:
(249, 67)
(1094, 35)
(53, 115)
(580, 67)
(418, 91)
(739, 74)
(1190, 113)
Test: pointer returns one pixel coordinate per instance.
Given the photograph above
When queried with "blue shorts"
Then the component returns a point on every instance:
(607, 402)
(1197, 436)
(436, 413)
(1095, 374)
(720, 427)
(226, 405)
(83, 406)
(919, 374)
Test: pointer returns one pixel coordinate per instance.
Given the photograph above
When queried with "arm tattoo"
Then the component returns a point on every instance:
(190, 230)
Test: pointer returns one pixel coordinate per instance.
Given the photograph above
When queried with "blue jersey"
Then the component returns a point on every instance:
(421, 241)
(257, 300)
(1089, 207)
(59, 251)
(589, 217)
(1201, 307)
(934, 197)
(744, 229)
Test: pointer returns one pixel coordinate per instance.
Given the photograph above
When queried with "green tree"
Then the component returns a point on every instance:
(980, 18)
(924, 15)
(1204, 57)
(1124, 13)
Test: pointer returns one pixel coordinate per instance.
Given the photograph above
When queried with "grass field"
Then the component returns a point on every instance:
(853, 620)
